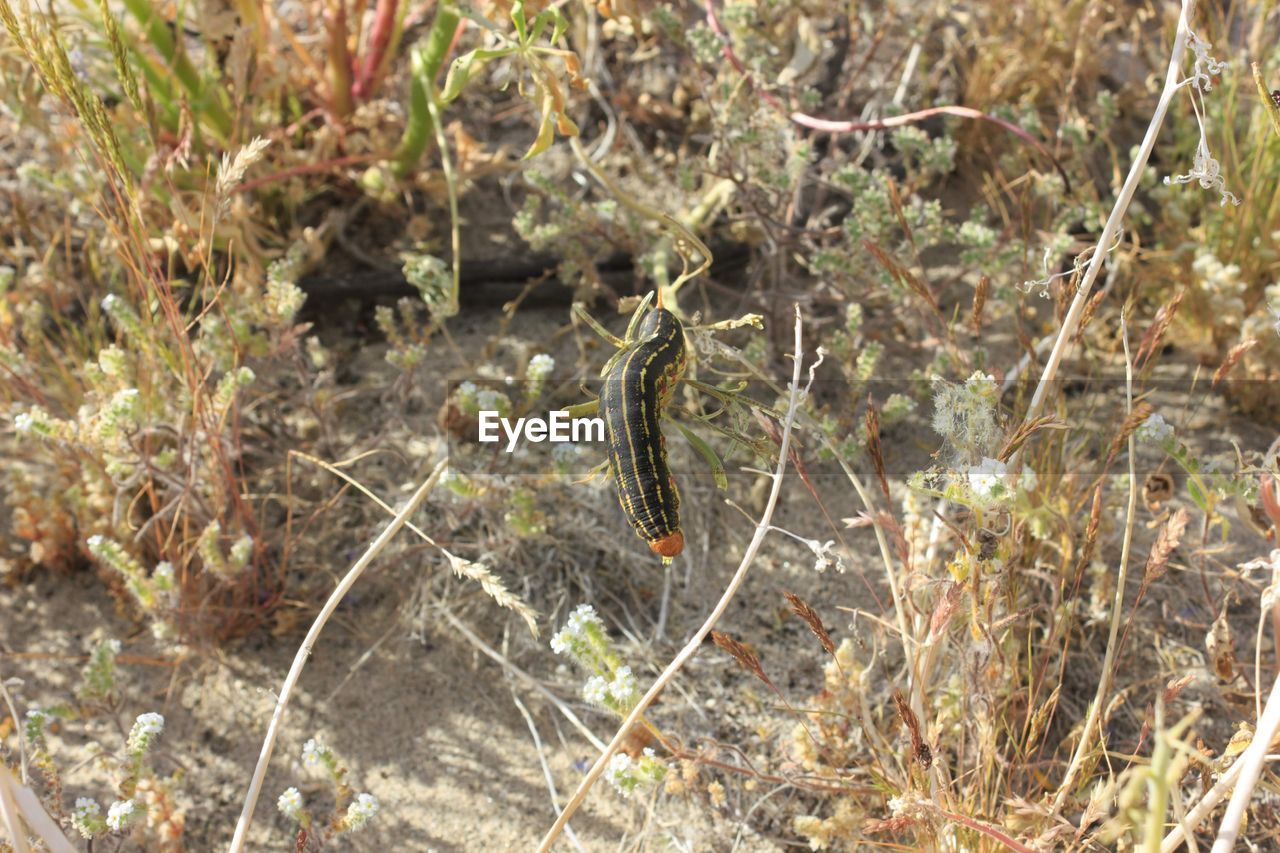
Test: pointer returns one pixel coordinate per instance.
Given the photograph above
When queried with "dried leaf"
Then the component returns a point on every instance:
(980, 294)
(1233, 358)
(1160, 325)
(1166, 542)
(872, 428)
(1218, 642)
(919, 749)
(811, 618)
(742, 653)
(1136, 418)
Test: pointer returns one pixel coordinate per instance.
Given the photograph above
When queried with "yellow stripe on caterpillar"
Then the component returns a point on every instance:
(635, 391)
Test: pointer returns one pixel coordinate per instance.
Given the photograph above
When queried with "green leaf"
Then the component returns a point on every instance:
(461, 69)
(1197, 496)
(562, 26)
(549, 16)
(520, 21)
(717, 467)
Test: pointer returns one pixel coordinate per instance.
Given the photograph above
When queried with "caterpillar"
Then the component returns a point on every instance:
(635, 391)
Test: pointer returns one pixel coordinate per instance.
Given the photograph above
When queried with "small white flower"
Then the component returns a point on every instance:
(619, 774)
(623, 688)
(1154, 430)
(361, 811)
(540, 367)
(575, 637)
(489, 400)
(314, 753)
(163, 574)
(87, 817)
(583, 618)
(596, 690)
(290, 803)
(23, 422)
(121, 813)
(145, 730)
(986, 480)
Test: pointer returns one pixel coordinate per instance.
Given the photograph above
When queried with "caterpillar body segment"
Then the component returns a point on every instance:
(636, 388)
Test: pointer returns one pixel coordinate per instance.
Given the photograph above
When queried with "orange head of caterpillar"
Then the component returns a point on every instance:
(668, 546)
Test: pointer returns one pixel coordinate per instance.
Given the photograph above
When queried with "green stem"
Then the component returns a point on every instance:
(426, 62)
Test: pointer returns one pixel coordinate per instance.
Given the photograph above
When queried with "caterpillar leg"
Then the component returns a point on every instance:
(593, 473)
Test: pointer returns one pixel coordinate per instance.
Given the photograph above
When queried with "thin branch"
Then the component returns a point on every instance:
(1093, 718)
(1071, 322)
(304, 651)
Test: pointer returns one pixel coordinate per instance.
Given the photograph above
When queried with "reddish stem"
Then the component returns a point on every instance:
(384, 24)
(830, 126)
(311, 168)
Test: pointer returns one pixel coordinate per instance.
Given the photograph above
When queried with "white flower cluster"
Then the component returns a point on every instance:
(290, 804)
(584, 640)
(433, 279)
(121, 814)
(362, 810)
(283, 299)
(87, 817)
(619, 694)
(1222, 285)
(540, 367)
(580, 634)
(491, 400)
(111, 361)
(986, 480)
(1261, 325)
(628, 776)
(113, 554)
(122, 313)
(316, 754)
(34, 723)
(144, 732)
(1155, 430)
